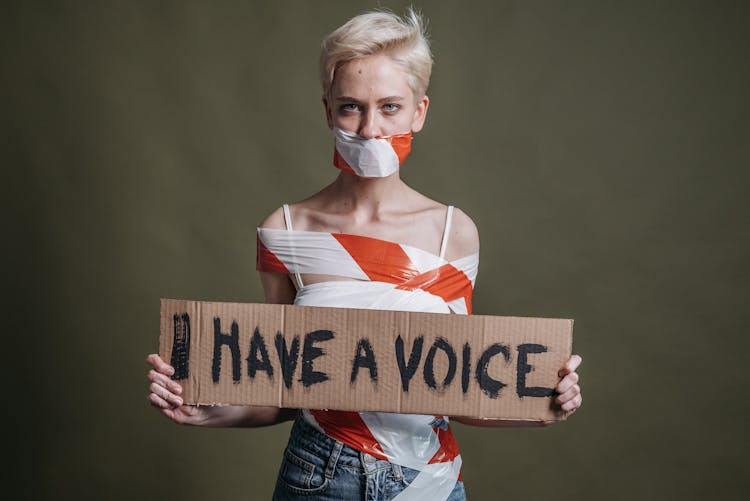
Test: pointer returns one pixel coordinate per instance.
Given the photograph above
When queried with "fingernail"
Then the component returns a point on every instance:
(170, 371)
(178, 400)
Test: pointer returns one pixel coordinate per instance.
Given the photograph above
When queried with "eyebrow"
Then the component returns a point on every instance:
(350, 99)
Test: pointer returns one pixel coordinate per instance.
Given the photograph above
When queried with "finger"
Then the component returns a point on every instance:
(165, 408)
(158, 402)
(573, 405)
(165, 394)
(159, 378)
(571, 365)
(566, 382)
(569, 395)
(159, 364)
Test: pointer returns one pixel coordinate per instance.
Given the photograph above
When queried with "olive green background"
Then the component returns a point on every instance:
(601, 147)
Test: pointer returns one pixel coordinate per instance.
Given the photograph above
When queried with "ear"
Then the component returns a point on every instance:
(329, 116)
(420, 114)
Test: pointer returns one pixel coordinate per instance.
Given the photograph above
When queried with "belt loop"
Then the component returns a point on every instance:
(398, 475)
(334, 458)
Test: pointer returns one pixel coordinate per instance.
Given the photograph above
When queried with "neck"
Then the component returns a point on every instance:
(367, 197)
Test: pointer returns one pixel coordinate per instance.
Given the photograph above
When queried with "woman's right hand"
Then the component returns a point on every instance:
(165, 395)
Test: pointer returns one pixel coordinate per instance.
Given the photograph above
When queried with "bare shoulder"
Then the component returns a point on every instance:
(464, 236)
(274, 220)
(304, 215)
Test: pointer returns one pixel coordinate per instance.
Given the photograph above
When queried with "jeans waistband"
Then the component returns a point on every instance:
(307, 436)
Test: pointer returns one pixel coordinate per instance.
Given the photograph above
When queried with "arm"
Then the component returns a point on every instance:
(463, 239)
(499, 423)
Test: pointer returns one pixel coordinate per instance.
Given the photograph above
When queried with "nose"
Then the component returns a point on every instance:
(369, 126)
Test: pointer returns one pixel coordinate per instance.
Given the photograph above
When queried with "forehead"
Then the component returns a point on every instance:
(371, 76)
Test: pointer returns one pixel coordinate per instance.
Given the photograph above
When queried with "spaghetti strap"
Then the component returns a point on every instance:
(447, 231)
(288, 221)
(287, 218)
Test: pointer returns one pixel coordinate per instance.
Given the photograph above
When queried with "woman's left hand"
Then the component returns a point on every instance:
(569, 392)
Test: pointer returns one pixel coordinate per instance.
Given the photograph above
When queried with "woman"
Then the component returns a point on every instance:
(355, 244)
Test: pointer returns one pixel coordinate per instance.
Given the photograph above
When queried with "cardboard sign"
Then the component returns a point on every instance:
(365, 360)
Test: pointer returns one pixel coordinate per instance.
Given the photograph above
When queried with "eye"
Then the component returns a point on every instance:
(349, 108)
(391, 107)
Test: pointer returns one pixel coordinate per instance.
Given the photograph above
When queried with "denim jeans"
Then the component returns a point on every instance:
(317, 467)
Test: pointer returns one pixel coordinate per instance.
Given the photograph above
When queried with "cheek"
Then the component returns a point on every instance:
(402, 121)
(344, 121)
(417, 120)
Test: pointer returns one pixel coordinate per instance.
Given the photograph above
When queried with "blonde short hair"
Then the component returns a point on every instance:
(402, 38)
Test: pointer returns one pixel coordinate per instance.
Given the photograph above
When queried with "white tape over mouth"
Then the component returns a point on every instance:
(366, 157)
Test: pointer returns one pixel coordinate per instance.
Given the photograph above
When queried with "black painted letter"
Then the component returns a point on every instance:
(408, 370)
(287, 359)
(233, 341)
(254, 364)
(364, 357)
(524, 368)
(491, 387)
(465, 368)
(181, 347)
(310, 353)
(429, 371)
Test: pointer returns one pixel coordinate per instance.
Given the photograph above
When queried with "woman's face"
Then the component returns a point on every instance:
(370, 96)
